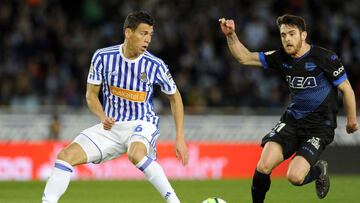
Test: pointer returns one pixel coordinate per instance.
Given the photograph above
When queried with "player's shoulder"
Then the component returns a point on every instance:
(151, 57)
(323, 52)
(109, 49)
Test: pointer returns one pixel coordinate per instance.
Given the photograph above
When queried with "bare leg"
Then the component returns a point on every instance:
(299, 167)
(271, 157)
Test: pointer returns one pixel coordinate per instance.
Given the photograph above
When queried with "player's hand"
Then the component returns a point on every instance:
(351, 127)
(181, 151)
(227, 26)
(108, 123)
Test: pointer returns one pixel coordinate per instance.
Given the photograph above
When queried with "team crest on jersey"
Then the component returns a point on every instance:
(310, 66)
(333, 57)
(143, 77)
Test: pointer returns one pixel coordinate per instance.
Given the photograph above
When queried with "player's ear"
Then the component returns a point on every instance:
(128, 32)
(304, 35)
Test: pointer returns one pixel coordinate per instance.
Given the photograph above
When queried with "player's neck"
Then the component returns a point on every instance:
(304, 49)
(128, 52)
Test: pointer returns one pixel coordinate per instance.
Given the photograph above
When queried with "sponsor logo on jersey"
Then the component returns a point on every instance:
(301, 82)
(310, 66)
(338, 71)
(131, 95)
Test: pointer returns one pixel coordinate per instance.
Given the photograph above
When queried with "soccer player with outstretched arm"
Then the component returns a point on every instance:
(314, 75)
(126, 74)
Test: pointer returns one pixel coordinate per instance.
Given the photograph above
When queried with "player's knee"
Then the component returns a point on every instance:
(294, 178)
(264, 167)
(63, 155)
(137, 151)
(135, 157)
(67, 156)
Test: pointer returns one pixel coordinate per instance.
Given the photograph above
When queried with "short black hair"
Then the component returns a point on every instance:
(288, 19)
(133, 20)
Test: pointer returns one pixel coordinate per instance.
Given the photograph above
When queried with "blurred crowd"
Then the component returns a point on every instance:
(46, 46)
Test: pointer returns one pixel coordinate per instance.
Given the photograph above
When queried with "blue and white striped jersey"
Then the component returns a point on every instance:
(127, 85)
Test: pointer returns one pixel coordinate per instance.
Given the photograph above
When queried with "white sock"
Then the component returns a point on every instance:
(57, 182)
(155, 174)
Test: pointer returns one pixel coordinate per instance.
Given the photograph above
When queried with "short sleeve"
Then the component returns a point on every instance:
(334, 69)
(96, 67)
(164, 79)
(270, 59)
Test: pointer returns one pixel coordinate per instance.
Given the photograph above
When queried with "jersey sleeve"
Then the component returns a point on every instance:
(334, 69)
(95, 75)
(270, 59)
(164, 79)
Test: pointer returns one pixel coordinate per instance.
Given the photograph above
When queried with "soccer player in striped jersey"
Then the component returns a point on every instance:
(126, 74)
(314, 75)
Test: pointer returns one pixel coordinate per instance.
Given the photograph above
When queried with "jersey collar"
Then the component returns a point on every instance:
(127, 59)
(304, 55)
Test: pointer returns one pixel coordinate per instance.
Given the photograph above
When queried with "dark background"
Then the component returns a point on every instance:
(46, 47)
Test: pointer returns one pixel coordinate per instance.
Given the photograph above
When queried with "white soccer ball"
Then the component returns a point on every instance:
(214, 200)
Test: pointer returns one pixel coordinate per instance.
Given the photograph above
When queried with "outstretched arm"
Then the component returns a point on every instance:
(92, 99)
(177, 110)
(350, 106)
(237, 49)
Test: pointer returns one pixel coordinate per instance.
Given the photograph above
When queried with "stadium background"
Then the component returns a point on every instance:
(46, 46)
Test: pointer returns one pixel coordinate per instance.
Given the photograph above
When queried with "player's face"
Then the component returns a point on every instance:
(291, 38)
(140, 38)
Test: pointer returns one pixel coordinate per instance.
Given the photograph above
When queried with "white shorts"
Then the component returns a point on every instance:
(102, 145)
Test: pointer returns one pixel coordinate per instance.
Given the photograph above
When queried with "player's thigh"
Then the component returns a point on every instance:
(142, 140)
(137, 151)
(279, 144)
(101, 145)
(73, 154)
(271, 156)
(286, 136)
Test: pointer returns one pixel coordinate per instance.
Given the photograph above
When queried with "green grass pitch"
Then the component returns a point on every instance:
(344, 189)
